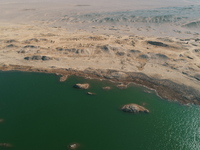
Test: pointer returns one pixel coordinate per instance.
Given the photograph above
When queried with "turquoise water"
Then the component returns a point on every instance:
(42, 113)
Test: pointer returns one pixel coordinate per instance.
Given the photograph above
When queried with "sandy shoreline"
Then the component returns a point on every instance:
(166, 89)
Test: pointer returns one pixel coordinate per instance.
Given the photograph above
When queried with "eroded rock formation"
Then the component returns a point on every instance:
(134, 108)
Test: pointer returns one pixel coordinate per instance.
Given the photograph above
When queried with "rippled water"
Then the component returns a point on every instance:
(42, 113)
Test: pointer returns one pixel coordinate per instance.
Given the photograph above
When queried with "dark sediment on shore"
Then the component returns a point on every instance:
(166, 89)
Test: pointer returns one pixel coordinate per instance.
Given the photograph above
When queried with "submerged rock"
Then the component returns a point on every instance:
(5, 145)
(106, 88)
(90, 93)
(73, 146)
(1, 120)
(134, 108)
(82, 86)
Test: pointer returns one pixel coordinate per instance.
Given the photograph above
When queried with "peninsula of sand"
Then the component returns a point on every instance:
(106, 45)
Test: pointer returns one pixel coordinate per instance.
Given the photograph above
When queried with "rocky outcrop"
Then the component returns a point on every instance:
(10, 41)
(122, 86)
(81, 86)
(143, 56)
(63, 78)
(134, 108)
(36, 57)
(46, 58)
(30, 46)
(120, 53)
(11, 46)
(134, 51)
(155, 43)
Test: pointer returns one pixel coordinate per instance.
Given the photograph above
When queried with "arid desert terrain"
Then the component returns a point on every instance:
(156, 45)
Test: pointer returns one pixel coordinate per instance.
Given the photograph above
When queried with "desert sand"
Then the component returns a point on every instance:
(160, 52)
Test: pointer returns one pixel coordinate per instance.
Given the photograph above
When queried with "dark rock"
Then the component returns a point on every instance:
(33, 40)
(162, 56)
(185, 39)
(73, 50)
(181, 55)
(30, 46)
(22, 51)
(120, 53)
(27, 58)
(104, 48)
(134, 108)
(59, 48)
(197, 77)
(36, 57)
(189, 57)
(10, 41)
(185, 73)
(76, 51)
(46, 58)
(134, 51)
(11, 46)
(80, 51)
(196, 40)
(157, 43)
(143, 56)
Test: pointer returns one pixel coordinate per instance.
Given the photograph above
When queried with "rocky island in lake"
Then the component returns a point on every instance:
(134, 108)
(82, 86)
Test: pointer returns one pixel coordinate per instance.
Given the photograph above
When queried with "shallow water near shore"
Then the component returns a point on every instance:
(40, 113)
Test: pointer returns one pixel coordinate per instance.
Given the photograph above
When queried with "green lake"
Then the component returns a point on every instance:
(41, 113)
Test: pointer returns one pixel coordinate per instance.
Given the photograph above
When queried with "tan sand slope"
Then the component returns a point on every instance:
(175, 59)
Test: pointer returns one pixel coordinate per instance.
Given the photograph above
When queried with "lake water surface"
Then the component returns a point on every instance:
(42, 113)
